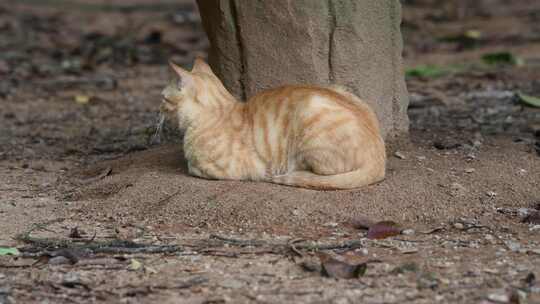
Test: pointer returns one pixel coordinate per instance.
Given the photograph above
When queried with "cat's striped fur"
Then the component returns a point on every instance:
(305, 136)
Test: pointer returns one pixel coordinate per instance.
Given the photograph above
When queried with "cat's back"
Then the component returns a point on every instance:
(303, 100)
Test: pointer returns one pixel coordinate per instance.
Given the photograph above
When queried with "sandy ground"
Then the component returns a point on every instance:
(461, 186)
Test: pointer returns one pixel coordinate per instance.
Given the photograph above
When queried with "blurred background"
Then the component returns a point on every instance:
(81, 80)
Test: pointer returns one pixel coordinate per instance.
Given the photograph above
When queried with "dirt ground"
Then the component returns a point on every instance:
(101, 211)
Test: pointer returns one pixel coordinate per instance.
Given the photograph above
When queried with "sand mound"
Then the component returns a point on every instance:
(428, 187)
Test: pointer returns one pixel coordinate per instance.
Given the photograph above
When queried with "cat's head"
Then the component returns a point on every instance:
(193, 93)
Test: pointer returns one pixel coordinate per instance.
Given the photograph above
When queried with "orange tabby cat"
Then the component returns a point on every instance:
(305, 136)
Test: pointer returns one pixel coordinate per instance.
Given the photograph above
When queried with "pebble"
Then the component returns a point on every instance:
(331, 224)
(534, 228)
(408, 232)
(513, 246)
(470, 170)
(498, 298)
(59, 260)
(523, 212)
(491, 194)
(459, 226)
(399, 155)
(71, 277)
(363, 251)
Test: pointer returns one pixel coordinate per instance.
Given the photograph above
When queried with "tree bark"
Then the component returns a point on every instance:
(258, 44)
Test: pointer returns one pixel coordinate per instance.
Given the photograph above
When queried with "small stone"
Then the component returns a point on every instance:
(470, 170)
(459, 226)
(522, 172)
(363, 251)
(399, 155)
(71, 277)
(524, 212)
(489, 237)
(408, 232)
(331, 224)
(534, 228)
(491, 194)
(513, 246)
(498, 297)
(421, 157)
(59, 260)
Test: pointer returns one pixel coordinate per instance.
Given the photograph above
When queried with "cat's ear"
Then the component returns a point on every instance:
(185, 76)
(201, 66)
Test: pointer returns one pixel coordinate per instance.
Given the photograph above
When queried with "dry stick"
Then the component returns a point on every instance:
(43, 246)
(352, 244)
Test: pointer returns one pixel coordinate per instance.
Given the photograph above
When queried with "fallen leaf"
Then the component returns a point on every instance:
(529, 100)
(134, 265)
(334, 268)
(9, 251)
(383, 230)
(426, 71)
(82, 99)
(499, 58)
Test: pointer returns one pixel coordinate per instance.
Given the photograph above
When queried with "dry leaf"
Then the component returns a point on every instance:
(82, 99)
(134, 265)
(334, 268)
(383, 230)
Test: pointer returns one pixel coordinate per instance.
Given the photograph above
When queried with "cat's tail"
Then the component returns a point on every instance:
(364, 176)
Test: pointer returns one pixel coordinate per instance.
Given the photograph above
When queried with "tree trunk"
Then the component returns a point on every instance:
(258, 44)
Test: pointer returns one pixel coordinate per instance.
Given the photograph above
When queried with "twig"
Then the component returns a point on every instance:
(352, 244)
(43, 246)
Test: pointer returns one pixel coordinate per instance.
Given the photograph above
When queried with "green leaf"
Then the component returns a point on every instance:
(9, 251)
(500, 58)
(529, 100)
(426, 71)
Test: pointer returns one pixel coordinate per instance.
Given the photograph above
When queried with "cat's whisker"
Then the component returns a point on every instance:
(156, 138)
